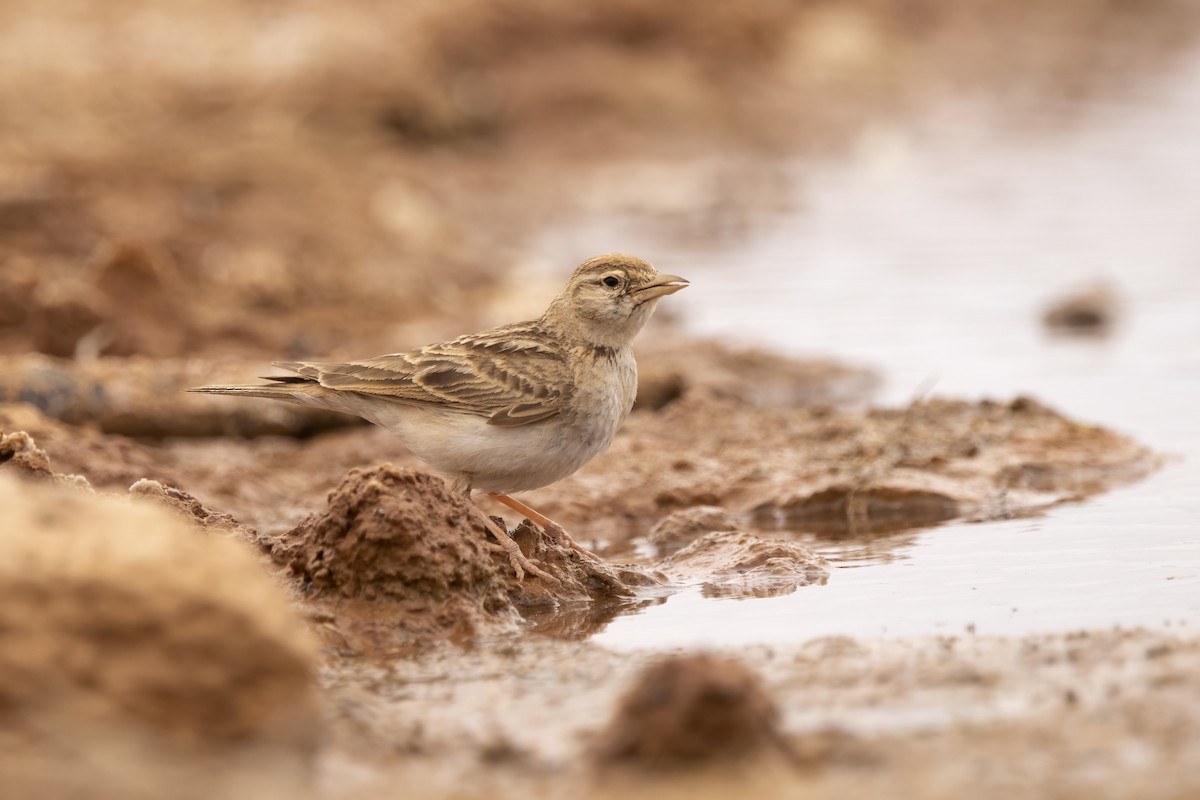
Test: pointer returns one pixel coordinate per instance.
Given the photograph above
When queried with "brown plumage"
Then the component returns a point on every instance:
(513, 375)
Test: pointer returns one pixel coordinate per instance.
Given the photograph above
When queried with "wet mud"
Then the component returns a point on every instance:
(209, 598)
(844, 472)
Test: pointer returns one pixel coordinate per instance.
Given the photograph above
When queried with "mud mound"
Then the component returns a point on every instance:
(676, 531)
(737, 564)
(687, 711)
(394, 534)
(20, 454)
(399, 545)
(119, 624)
(397, 559)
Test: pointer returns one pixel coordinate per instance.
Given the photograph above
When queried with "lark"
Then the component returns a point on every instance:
(509, 409)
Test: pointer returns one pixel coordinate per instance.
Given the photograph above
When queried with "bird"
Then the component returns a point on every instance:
(508, 409)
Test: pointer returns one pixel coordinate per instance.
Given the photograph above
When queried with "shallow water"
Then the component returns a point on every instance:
(930, 253)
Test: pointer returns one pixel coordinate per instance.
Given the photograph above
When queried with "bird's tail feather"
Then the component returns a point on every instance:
(295, 389)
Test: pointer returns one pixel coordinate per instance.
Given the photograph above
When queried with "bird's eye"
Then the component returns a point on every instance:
(611, 281)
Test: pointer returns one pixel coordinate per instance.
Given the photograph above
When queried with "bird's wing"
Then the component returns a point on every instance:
(514, 375)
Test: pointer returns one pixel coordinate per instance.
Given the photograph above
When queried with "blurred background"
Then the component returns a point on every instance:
(284, 179)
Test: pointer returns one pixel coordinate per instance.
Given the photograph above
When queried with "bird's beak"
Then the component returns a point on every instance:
(663, 285)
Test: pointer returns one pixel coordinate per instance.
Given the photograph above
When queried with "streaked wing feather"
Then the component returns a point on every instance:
(522, 414)
(514, 375)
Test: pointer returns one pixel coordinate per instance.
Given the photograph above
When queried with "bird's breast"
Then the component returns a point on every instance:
(605, 389)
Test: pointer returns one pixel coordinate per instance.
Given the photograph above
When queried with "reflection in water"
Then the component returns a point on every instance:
(848, 512)
(860, 548)
(582, 620)
(938, 260)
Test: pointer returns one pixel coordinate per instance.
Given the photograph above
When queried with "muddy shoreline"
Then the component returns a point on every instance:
(420, 625)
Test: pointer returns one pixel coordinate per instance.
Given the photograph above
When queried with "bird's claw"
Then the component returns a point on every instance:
(520, 563)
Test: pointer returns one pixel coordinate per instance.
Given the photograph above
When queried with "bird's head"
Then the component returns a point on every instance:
(610, 297)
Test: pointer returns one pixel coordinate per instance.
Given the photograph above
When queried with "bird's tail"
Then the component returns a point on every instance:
(290, 387)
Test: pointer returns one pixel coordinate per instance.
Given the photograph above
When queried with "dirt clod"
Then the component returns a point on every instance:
(738, 564)
(20, 453)
(397, 534)
(107, 462)
(403, 542)
(186, 505)
(690, 710)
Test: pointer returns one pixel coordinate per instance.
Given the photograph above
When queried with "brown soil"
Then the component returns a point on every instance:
(118, 622)
(812, 469)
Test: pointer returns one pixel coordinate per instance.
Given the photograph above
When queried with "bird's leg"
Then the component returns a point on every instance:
(520, 563)
(504, 543)
(555, 531)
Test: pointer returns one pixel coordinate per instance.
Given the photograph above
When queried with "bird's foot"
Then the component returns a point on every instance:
(518, 560)
(552, 529)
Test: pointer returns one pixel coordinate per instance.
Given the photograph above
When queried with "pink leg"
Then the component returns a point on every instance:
(555, 531)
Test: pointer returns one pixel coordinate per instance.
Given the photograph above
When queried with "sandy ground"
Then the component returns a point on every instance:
(207, 598)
